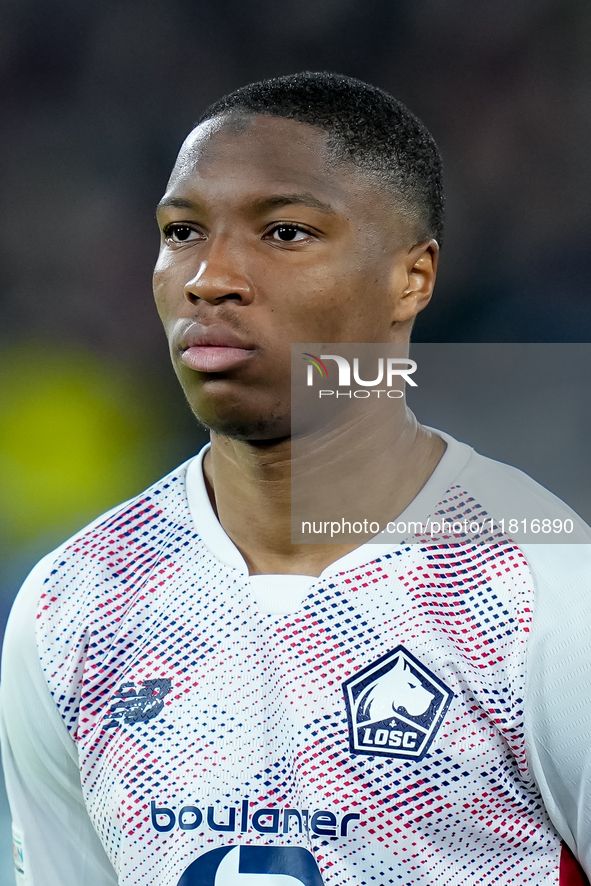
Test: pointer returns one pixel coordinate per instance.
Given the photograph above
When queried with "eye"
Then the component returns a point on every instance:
(288, 234)
(175, 234)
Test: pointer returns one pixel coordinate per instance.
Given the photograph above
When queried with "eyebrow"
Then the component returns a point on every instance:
(176, 202)
(304, 199)
(259, 204)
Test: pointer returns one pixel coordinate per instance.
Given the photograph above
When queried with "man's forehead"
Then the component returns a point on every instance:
(254, 131)
(268, 148)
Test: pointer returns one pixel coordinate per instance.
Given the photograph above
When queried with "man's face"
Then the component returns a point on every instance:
(266, 243)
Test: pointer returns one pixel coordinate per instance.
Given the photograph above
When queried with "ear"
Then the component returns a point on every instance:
(414, 280)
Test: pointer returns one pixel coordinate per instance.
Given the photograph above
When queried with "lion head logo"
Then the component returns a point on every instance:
(397, 689)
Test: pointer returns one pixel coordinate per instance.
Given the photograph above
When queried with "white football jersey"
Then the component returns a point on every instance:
(418, 714)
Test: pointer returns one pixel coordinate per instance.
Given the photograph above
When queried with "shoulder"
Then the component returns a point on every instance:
(556, 542)
(78, 592)
(162, 503)
(508, 494)
(101, 546)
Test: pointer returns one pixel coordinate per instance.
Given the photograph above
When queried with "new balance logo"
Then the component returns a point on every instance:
(395, 707)
(133, 705)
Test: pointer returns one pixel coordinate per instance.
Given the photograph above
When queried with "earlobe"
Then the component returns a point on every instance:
(420, 269)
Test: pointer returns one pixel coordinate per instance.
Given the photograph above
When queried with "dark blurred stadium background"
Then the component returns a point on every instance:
(95, 100)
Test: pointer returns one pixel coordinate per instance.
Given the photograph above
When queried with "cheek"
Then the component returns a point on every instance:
(164, 262)
(315, 310)
(162, 305)
(352, 306)
(165, 285)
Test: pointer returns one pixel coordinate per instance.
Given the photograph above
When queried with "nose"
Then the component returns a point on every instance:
(220, 277)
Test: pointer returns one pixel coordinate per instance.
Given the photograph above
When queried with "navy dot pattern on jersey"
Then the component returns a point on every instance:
(250, 713)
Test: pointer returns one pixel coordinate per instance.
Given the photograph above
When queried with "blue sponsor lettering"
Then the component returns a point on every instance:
(263, 820)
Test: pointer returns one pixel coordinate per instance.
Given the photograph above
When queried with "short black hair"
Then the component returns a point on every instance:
(365, 126)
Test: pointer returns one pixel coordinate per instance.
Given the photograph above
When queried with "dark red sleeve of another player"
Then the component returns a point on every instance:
(571, 872)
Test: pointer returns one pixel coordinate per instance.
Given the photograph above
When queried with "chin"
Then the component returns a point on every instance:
(237, 425)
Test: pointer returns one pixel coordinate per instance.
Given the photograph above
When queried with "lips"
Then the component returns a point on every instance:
(214, 349)
(215, 359)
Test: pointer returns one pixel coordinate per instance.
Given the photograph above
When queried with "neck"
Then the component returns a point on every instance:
(250, 487)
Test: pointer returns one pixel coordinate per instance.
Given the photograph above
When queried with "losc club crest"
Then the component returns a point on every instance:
(395, 707)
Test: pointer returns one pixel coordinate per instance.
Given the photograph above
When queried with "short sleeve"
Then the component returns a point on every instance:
(55, 842)
(558, 690)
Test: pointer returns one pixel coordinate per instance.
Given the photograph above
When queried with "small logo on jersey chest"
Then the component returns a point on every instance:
(395, 707)
(133, 705)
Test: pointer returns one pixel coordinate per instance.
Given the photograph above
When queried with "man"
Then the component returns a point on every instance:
(188, 697)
